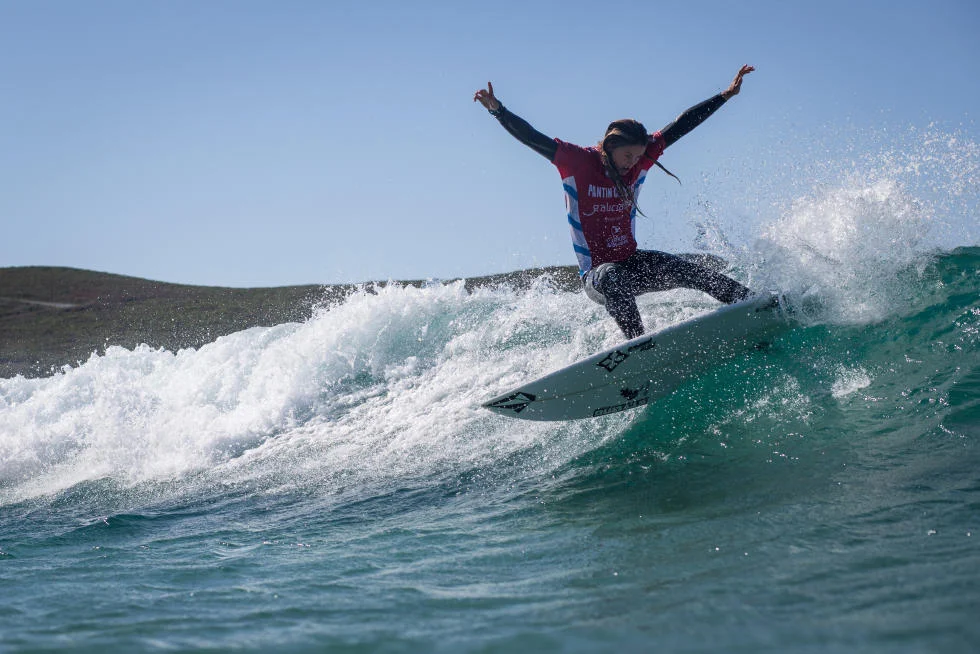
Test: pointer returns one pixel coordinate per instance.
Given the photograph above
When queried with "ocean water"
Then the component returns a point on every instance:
(334, 485)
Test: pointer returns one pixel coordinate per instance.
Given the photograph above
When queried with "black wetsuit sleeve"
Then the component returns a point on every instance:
(691, 119)
(523, 132)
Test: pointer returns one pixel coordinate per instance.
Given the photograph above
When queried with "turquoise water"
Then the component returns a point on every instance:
(334, 485)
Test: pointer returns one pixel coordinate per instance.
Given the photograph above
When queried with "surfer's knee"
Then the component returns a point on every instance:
(591, 291)
(611, 281)
(602, 283)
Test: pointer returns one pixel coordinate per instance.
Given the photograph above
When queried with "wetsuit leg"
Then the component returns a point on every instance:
(659, 271)
(647, 271)
(615, 283)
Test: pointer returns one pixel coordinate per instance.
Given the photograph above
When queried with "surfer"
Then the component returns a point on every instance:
(601, 185)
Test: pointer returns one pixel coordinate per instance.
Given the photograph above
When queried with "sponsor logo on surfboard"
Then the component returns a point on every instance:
(515, 402)
(632, 404)
(616, 357)
(634, 397)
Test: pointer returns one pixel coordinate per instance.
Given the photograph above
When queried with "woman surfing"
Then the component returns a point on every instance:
(601, 185)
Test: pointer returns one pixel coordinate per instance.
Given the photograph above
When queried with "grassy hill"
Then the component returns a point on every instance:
(51, 317)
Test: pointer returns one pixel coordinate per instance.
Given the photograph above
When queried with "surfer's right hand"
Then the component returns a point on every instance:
(487, 98)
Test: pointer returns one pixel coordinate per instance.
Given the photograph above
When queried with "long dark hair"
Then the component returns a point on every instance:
(619, 133)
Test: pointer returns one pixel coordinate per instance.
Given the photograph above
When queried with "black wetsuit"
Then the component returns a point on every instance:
(617, 284)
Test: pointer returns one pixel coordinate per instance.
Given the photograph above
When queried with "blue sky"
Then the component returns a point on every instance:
(248, 143)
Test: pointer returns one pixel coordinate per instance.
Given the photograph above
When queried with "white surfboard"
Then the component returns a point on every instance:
(638, 371)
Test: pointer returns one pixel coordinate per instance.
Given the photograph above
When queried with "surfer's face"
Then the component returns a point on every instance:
(625, 157)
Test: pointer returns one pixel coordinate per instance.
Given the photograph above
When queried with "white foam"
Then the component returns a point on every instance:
(847, 245)
(849, 381)
(389, 383)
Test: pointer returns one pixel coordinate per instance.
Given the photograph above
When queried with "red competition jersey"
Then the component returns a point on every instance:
(603, 227)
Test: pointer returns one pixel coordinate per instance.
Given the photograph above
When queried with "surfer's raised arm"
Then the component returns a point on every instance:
(517, 126)
(697, 114)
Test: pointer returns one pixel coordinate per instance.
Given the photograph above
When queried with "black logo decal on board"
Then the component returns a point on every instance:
(633, 393)
(516, 402)
(616, 357)
(632, 404)
(613, 360)
(629, 393)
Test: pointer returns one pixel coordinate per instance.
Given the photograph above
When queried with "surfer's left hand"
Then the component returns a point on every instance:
(736, 84)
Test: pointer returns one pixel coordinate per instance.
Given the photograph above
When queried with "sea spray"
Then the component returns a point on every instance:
(844, 233)
(848, 247)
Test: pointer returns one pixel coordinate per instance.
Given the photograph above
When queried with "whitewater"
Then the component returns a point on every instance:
(334, 485)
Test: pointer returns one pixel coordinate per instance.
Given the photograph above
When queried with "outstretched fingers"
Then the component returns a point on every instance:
(487, 98)
(736, 84)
